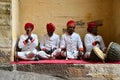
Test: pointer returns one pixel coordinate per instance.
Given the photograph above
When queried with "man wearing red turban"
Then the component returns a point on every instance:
(71, 43)
(49, 43)
(92, 39)
(28, 43)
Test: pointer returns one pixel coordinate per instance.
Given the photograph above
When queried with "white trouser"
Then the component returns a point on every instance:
(22, 55)
(44, 55)
(70, 55)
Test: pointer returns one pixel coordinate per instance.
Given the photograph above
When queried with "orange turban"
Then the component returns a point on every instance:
(29, 25)
(71, 23)
(91, 26)
(50, 27)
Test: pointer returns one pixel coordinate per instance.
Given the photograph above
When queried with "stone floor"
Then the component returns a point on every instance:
(19, 75)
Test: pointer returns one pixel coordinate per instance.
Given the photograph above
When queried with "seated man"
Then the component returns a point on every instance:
(27, 44)
(49, 43)
(92, 39)
(71, 44)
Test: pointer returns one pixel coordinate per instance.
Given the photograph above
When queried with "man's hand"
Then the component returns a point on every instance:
(54, 49)
(26, 40)
(63, 49)
(81, 51)
(30, 37)
(95, 43)
(44, 49)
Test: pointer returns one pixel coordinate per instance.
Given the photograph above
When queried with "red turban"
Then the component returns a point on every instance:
(29, 25)
(71, 23)
(50, 27)
(91, 25)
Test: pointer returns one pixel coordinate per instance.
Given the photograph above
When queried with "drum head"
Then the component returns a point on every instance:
(99, 53)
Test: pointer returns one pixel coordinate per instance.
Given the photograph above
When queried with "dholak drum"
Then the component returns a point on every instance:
(113, 52)
(97, 55)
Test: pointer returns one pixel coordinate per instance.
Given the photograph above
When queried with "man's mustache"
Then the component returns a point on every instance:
(28, 31)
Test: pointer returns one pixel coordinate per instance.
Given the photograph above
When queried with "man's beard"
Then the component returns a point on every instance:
(70, 32)
(28, 32)
(95, 33)
(50, 34)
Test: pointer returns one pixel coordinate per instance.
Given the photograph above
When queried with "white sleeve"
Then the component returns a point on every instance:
(58, 42)
(88, 43)
(35, 42)
(80, 44)
(102, 45)
(20, 43)
(42, 42)
(62, 43)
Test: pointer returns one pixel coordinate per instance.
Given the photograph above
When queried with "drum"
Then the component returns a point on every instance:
(97, 55)
(113, 52)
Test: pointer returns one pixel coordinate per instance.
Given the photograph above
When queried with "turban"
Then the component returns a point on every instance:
(50, 27)
(91, 25)
(29, 25)
(71, 23)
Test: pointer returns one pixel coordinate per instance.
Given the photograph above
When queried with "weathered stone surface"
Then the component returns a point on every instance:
(5, 0)
(4, 8)
(60, 70)
(4, 14)
(71, 71)
(86, 78)
(5, 55)
(5, 29)
(6, 67)
(5, 34)
(108, 71)
(18, 75)
(75, 72)
(4, 20)
(52, 69)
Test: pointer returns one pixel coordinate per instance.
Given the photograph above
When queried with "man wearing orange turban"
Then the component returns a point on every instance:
(49, 43)
(28, 43)
(92, 39)
(71, 43)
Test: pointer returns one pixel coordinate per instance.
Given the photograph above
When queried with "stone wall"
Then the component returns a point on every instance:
(116, 19)
(41, 12)
(5, 31)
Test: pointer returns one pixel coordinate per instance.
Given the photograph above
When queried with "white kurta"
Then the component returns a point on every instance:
(49, 43)
(89, 39)
(30, 47)
(72, 43)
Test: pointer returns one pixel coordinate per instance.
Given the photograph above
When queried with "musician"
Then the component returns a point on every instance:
(92, 39)
(71, 44)
(49, 43)
(28, 43)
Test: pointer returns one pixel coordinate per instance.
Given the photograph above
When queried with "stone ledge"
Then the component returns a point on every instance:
(19, 75)
(70, 71)
(59, 70)
(6, 67)
(96, 71)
